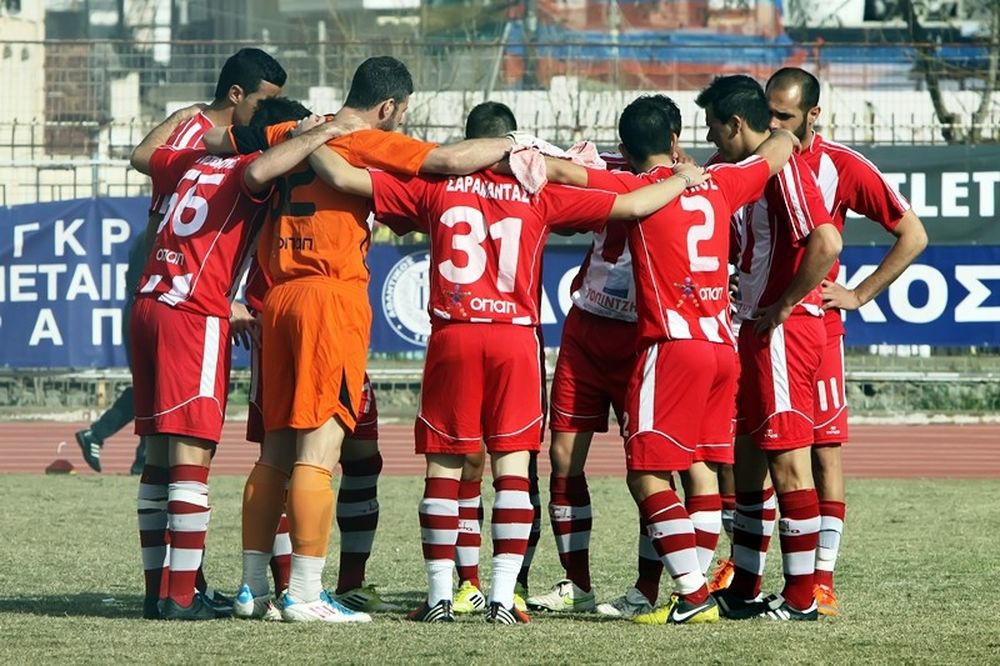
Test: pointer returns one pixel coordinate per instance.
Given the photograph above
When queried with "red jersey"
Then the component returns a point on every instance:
(849, 182)
(189, 134)
(487, 236)
(770, 239)
(206, 233)
(680, 252)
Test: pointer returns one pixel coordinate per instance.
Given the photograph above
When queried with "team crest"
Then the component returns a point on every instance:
(405, 296)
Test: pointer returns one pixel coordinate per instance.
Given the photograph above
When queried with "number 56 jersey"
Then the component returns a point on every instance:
(680, 253)
(487, 236)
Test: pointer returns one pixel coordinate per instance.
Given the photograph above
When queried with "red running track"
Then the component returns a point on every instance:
(938, 451)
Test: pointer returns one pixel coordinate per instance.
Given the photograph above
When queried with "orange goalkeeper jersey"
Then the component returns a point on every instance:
(315, 230)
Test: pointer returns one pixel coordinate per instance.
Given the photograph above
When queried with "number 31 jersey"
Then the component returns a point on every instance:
(487, 236)
(204, 239)
(680, 253)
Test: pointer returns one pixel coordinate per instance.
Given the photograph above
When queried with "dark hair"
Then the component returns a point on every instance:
(490, 120)
(378, 79)
(737, 95)
(247, 68)
(647, 126)
(273, 110)
(786, 77)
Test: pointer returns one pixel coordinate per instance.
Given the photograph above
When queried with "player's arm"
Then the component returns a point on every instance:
(465, 157)
(282, 158)
(911, 239)
(158, 136)
(823, 245)
(339, 174)
(645, 201)
(777, 149)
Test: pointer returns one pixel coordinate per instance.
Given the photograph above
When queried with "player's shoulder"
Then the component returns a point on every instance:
(839, 153)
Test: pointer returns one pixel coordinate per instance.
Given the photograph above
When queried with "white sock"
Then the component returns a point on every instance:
(255, 565)
(439, 573)
(306, 580)
(506, 566)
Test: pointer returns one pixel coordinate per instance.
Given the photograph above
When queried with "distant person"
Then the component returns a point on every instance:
(121, 412)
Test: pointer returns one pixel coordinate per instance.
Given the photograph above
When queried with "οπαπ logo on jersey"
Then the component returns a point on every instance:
(404, 298)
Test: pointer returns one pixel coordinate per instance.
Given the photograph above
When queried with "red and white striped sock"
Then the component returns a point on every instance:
(438, 533)
(650, 566)
(511, 527)
(831, 528)
(536, 531)
(672, 534)
(281, 556)
(152, 510)
(470, 531)
(188, 514)
(753, 526)
(570, 514)
(706, 515)
(798, 532)
(357, 518)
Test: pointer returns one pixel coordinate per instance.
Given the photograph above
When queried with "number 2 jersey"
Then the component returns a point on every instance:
(679, 253)
(487, 236)
(204, 239)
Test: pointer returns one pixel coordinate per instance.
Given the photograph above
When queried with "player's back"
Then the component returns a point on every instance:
(316, 231)
(204, 239)
(487, 236)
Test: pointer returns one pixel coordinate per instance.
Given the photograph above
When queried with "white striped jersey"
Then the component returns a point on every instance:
(770, 239)
(189, 134)
(203, 243)
(850, 182)
(679, 253)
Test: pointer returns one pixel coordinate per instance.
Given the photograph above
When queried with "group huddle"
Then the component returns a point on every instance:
(705, 313)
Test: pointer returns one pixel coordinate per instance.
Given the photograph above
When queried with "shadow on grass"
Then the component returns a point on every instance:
(75, 605)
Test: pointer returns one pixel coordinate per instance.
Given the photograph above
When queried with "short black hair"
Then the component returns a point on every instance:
(376, 80)
(247, 68)
(738, 95)
(274, 110)
(490, 120)
(787, 77)
(647, 126)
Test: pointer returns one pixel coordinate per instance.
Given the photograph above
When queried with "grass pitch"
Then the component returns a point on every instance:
(917, 580)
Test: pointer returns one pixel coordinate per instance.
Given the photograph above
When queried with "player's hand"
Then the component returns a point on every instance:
(307, 124)
(189, 111)
(838, 296)
(691, 173)
(344, 124)
(734, 287)
(243, 326)
(770, 318)
(522, 139)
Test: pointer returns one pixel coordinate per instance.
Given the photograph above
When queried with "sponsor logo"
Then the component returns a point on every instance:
(405, 296)
(170, 256)
(295, 243)
(492, 305)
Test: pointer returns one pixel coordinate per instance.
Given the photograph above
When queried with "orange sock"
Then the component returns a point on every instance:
(263, 504)
(310, 509)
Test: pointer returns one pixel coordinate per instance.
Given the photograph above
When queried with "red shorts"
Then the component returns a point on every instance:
(680, 405)
(367, 427)
(482, 382)
(777, 388)
(830, 414)
(180, 370)
(596, 358)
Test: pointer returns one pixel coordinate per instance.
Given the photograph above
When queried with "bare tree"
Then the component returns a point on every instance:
(935, 69)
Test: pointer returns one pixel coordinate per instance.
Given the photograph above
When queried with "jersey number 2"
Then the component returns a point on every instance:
(700, 232)
(507, 231)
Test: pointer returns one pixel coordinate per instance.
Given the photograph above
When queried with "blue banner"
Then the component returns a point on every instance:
(62, 287)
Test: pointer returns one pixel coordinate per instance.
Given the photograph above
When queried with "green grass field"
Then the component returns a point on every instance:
(917, 581)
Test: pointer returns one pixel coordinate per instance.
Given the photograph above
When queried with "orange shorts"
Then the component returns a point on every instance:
(315, 333)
